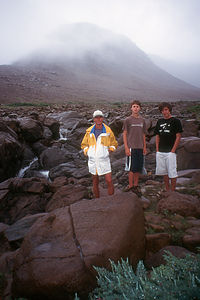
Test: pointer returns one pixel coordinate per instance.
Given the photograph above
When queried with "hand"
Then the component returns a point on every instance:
(144, 151)
(128, 152)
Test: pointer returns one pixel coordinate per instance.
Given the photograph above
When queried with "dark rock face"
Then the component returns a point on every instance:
(11, 152)
(31, 129)
(57, 256)
(22, 196)
(54, 156)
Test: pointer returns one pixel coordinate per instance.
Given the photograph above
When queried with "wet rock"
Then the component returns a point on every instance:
(38, 148)
(54, 156)
(32, 130)
(47, 133)
(53, 125)
(11, 152)
(28, 156)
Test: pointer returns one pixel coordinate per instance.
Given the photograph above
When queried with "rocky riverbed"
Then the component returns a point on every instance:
(53, 231)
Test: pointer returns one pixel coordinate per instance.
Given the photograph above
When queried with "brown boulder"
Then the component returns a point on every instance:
(191, 239)
(189, 153)
(156, 241)
(158, 259)
(67, 195)
(54, 156)
(11, 152)
(57, 256)
(31, 129)
(53, 125)
(190, 127)
(6, 268)
(23, 196)
(3, 240)
(183, 204)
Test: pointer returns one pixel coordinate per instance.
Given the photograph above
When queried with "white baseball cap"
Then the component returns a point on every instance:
(97, 113)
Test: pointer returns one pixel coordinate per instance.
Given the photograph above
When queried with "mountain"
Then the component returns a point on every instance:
(189, 72)
(85, 62)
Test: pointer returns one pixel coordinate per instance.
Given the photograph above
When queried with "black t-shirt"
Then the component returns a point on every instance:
(167, 130)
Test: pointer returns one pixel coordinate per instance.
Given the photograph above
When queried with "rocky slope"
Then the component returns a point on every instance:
(52, 230)
(85, 62)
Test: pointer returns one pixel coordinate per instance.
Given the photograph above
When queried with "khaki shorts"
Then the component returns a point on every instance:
(166, 164)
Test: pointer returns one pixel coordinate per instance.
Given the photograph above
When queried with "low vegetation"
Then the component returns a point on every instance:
(18, 104)
(195, 109)
(178, 279)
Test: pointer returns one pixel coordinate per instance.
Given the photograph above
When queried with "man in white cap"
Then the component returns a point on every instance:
(98, 141)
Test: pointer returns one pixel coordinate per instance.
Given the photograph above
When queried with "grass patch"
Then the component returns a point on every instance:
(22, 104)
(195, 109)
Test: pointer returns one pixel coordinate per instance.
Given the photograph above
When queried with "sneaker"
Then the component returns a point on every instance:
(127, 189)
(137, 191)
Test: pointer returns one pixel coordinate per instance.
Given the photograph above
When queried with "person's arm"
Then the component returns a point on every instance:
(144, 143)
(176, 143)
(113, 142)
(84, 144)
(157, 142)
(127, 150)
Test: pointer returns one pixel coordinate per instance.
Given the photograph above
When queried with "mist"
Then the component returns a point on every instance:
(168, 29)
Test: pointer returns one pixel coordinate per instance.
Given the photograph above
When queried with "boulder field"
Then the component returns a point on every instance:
(52, 229)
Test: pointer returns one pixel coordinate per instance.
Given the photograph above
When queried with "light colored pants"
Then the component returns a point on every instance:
(166, 164)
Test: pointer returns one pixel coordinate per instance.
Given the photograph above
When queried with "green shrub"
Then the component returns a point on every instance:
(178, 279)
(19, 104)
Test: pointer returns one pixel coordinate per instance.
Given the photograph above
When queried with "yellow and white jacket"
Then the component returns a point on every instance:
(98, 150)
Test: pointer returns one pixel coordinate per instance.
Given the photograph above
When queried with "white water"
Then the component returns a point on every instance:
(63, 133)
(23, 170)
(45, 173)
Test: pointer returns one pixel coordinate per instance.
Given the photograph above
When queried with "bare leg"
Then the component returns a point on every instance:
(173, 184)
(130, 179)
(95, 180)
(166, 181)
(108, 178)
(136, 178)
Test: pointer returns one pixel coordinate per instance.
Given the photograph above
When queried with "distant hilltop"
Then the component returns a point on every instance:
(84, 62)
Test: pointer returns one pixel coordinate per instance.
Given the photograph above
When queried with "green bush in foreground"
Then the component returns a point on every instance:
(178, 279)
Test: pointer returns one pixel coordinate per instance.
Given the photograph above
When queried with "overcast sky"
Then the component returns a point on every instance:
(168, 28)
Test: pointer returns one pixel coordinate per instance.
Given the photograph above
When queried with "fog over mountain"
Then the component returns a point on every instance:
(189, 72)
(85, 62)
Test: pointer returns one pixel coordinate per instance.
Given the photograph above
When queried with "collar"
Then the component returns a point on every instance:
(103, 129)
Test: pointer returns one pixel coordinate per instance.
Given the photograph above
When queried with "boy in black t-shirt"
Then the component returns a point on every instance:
(168, 134)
